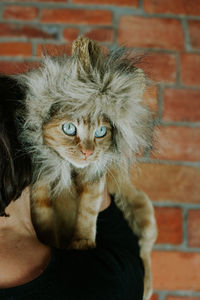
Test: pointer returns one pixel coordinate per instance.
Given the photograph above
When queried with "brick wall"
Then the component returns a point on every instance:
(170, 30)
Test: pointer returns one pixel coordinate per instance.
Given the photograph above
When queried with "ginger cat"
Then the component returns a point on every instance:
(83, 123)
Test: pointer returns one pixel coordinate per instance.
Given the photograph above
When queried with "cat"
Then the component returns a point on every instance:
(82, 123)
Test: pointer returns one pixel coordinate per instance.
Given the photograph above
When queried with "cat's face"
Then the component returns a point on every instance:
(81, 142)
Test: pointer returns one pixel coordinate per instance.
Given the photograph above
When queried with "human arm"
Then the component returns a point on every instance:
(113, 270)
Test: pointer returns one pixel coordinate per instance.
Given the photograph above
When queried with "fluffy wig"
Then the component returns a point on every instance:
(88, 83)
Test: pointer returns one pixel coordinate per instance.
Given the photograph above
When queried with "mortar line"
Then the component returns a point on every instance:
(185, 226)
(186, 35)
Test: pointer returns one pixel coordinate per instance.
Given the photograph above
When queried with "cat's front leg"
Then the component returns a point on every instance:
(42, 213)
(89, 205)
(53, 214)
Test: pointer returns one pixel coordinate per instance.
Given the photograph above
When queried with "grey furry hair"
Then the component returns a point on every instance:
(88, 83)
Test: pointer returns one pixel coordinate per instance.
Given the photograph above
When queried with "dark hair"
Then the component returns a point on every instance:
(15, 166)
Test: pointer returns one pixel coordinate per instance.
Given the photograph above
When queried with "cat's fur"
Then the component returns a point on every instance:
(88, 89)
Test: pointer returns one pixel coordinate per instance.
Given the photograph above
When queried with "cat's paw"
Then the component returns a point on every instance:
(83, 244)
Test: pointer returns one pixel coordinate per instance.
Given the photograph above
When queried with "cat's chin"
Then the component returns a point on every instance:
(80, 165)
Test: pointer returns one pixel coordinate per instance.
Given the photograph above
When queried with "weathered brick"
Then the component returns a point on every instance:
(70, 34)
(169, 221)
(18, 30)
(100, 34)
(194, 228)
(47, 0)
(181, 298)
(133, 3)
(168, 183)
(173, 270)
(150, 98)
(181, 7)
(76, 16)
(178, 143)
(15, 49)
(194, 29)
(38, 1)
(151, 32)
(154, 297)
(190, 66)
(160, 67)
(181, 105)
(52, 49)
(20, 12)
(7, 67)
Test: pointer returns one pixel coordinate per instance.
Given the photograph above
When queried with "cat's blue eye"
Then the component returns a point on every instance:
(100, 132)
(69, 129)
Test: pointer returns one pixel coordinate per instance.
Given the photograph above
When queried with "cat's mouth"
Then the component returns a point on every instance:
(82, 162)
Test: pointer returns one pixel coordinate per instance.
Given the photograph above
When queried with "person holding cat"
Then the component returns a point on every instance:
(69, 129)
(31, 270)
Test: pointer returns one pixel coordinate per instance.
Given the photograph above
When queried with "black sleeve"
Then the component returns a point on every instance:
(111, 271)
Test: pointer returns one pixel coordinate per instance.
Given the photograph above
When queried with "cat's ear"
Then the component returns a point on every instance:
(87, 51)
(139, 82)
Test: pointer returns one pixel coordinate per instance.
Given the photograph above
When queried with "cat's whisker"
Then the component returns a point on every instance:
(117, 185)
(121, 166)
(97, 168)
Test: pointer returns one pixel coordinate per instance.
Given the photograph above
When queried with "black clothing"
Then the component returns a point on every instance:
(112, 271)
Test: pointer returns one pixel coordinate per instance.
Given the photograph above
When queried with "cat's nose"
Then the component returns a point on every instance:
(87, 152)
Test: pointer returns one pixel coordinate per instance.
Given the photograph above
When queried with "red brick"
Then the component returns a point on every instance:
(76, 16)
(150, 98)
(154, 297)
(181, 298)
(38, 1)
(15, 49)
(100, 34)
(18, 30)
(173, 270)
(10, 67)
(194, 30)
(178, 143)
(16, 67)
(52, 49)
(133, 3)
(181, 7)
(70, 34)
(181, 105)
(169, 221)
(20, 12)
(194, 228)
(160, 67)
(47, 0)
(151, 32)
(168, 183)
(190, 66)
